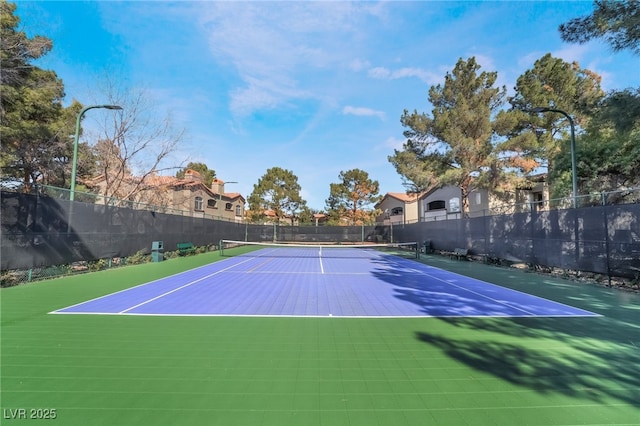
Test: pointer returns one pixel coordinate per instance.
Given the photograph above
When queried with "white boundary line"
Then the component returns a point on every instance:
(208, 265)
(297, 273)
(323, 316)
(527, 314)
(480, 294)
(501, 287)
(184, 286)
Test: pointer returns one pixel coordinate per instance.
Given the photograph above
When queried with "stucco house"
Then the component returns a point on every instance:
(446, 203)
(398, 207)
(180, 195)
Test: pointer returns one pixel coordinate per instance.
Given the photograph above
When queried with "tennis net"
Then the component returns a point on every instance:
(230, 248)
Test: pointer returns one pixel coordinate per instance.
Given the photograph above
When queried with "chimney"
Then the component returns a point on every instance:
(217, 186)
(192, 175)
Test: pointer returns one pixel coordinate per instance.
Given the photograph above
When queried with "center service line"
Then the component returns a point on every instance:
(320, 259)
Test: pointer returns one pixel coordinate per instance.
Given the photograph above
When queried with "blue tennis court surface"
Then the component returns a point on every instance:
(272, 282)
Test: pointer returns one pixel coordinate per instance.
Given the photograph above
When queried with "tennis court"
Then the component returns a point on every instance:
(235, 340)
(298, 280)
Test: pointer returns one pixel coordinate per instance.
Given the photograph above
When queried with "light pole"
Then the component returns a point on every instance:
(574, 176)
(74, 164)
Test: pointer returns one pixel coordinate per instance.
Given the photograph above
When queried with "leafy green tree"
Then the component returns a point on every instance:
(351, 197)
(610, 147)
(609, 150)
(616, 21)
(535, 139)
(306, 215)
(452, 145)
(621, 109)
(277, 190)
(207, 174)
(35, 127)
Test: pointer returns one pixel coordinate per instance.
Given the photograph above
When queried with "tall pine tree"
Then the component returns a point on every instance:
(455, 142)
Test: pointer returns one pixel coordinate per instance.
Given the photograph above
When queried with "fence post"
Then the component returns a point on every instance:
(606, 236)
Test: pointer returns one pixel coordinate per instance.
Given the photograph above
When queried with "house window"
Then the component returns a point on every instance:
(478, 198)
(454, 204)
(238, 210)
(211, 203)
(538, 200)
(396, 211)
(228, 206)
(436, 205)
(198, 204)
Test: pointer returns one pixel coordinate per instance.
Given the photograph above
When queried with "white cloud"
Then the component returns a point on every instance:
(486, 63)
(572, 52)
(394, 143)
(407, 72)
(359, 65)
(526, 62)
(363, 112)
(281, 51)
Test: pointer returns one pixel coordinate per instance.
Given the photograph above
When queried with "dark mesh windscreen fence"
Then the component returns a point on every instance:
(43, 231)
(602, 239)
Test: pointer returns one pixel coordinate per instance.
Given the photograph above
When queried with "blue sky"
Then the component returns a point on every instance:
(313, 87)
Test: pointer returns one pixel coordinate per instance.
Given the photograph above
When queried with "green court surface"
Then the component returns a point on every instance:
(154, 370)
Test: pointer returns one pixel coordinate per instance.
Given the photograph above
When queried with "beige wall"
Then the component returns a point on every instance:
(409, 213)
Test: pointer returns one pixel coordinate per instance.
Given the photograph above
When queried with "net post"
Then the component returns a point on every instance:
(220, 248)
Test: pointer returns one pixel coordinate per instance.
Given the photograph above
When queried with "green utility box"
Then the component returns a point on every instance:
(157, 251)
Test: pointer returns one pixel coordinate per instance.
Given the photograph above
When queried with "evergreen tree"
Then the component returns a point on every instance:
(617, 21)
(277, 190)
(35, 127)
(351, 196)
(455, 142)
(609, 151)
(535, 139)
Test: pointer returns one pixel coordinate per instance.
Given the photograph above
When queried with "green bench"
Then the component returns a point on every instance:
(186, 248)
(459, 253)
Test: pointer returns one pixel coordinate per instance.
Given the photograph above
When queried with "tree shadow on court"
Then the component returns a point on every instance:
(549, 354)
(592, 358)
